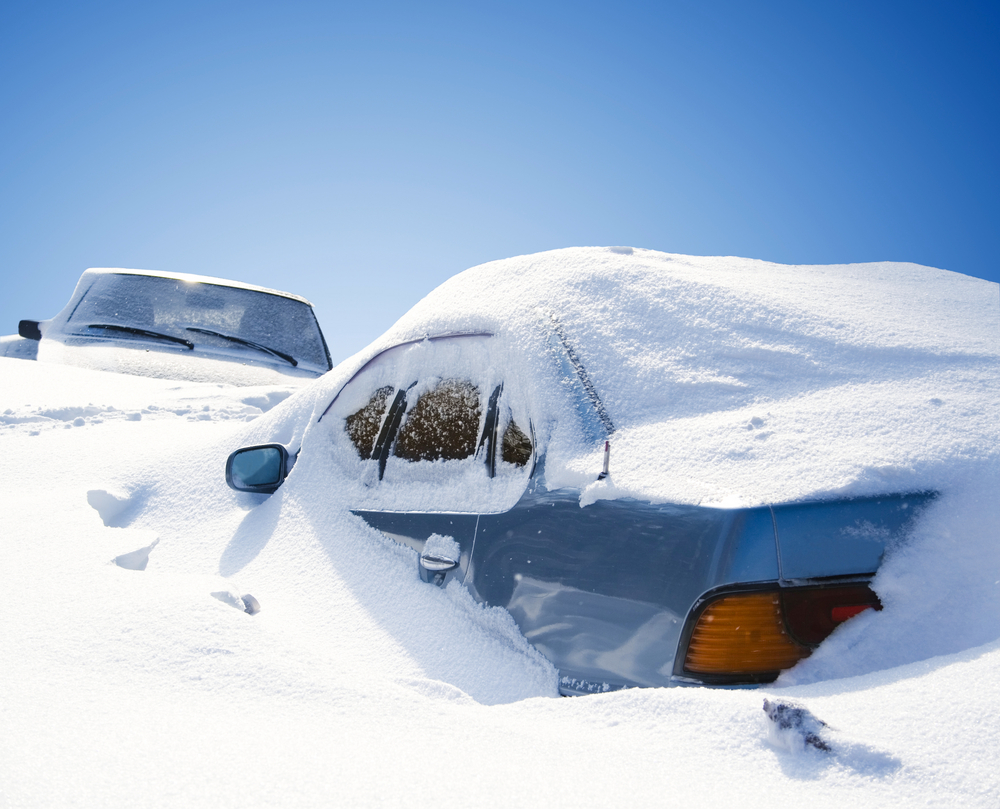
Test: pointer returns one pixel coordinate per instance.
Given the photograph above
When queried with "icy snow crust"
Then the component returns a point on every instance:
(131, 675)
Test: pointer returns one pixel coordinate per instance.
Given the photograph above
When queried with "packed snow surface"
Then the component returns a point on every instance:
(133, 676)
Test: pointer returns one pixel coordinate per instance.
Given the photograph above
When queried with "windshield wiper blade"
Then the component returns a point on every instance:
(243, 341)
(143, 333)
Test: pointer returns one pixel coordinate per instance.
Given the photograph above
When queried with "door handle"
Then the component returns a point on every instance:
(434, 567)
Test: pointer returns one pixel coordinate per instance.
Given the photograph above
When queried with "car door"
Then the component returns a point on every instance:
(427, 439)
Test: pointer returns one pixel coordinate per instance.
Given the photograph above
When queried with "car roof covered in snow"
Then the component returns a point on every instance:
(730, 381)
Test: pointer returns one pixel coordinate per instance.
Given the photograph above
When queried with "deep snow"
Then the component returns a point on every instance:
(730, 382)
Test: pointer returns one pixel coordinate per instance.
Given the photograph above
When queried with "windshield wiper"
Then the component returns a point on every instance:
(143, 333)
(244, 342)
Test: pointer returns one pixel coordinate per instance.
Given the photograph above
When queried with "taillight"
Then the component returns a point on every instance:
(742, 634)
(750, 637)
(813, 613)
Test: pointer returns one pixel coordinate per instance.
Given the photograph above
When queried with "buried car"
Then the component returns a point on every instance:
(447, 444)
(178, 326)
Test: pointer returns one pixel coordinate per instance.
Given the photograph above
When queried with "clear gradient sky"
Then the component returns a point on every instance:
(360, 154)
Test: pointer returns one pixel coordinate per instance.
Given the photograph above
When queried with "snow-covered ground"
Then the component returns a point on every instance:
(731, 381)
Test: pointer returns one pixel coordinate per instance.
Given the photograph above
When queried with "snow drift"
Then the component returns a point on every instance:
(730, 382)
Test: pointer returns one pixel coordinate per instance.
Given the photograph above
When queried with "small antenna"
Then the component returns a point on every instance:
(607, 460)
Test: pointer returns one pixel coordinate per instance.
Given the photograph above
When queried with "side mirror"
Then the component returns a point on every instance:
(257, 469)
(29, 330)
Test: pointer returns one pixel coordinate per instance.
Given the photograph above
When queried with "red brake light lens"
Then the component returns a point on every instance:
(841, 614)
(812, 613)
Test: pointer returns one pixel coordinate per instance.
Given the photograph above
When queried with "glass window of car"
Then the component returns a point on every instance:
(172, 306)
(424, 427)
(363, 426)
(515, 446)
(442, 425)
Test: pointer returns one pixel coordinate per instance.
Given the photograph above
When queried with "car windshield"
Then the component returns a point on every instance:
(204, 313)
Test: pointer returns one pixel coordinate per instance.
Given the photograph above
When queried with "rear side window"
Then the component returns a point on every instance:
(515, 447)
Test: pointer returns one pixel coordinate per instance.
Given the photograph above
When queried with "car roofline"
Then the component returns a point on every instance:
(426, 337)
(196, 279)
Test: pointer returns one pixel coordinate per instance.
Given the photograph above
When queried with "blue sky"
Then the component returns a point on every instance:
(362, 155)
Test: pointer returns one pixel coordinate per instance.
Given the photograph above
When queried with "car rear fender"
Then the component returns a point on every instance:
(842, 537)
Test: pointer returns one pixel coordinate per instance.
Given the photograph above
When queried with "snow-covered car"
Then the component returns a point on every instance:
(465, 444)
(178, 326)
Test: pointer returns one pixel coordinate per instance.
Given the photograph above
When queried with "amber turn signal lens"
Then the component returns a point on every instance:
(742, 634)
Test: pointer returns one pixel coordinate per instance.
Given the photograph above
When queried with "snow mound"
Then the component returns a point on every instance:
(125, 561)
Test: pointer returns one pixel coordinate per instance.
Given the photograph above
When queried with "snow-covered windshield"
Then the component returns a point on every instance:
(173, 307)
